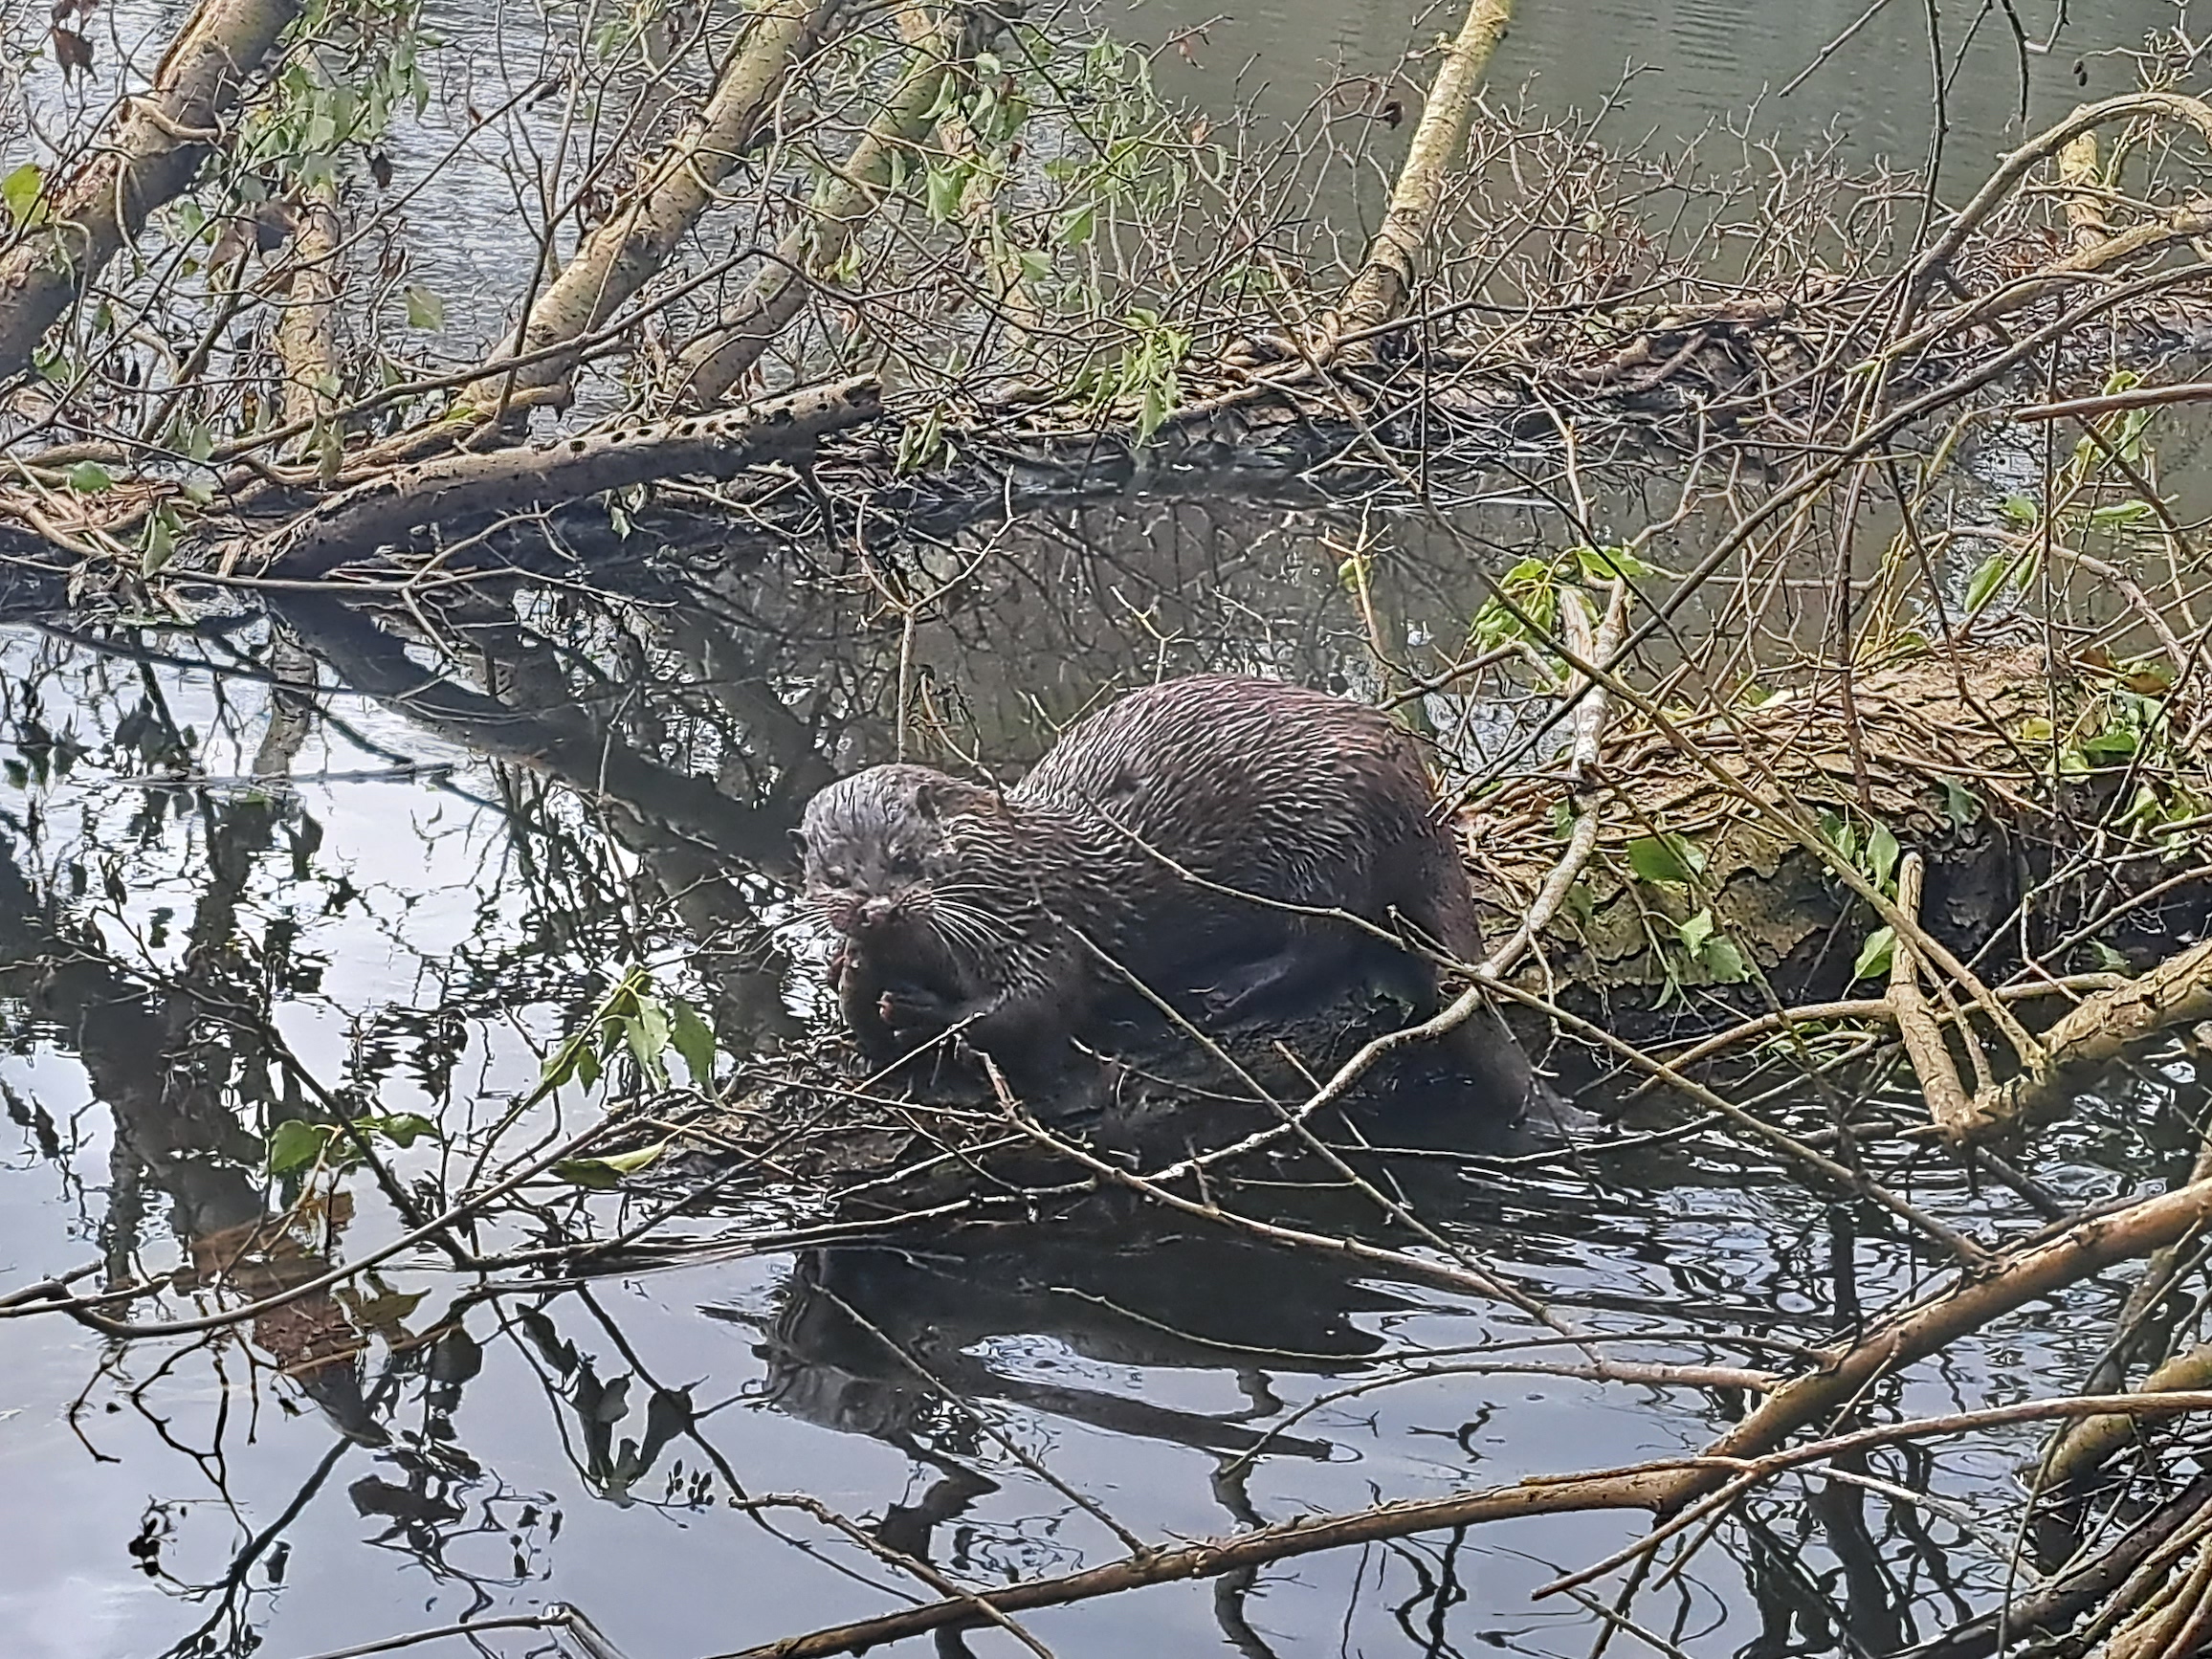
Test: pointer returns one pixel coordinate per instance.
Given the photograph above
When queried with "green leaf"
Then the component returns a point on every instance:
(20, 190)
(424, 309)
(603, 1174)
(1961, 805)
(1987, 581)
(1724, 963)
(1665, 858)
(1604, 564)
(646, 1030)
(1842, 836)
(90, 478)
(403, 1129)
(1076, 228)
(2109, 961)
(296, 1144)
(2020, 509)
(2115, 744)
(1875, 956)
(2119, 513)
(1881, 855)
(382, 1310)
(693, 1039)
(160, 540)
(945, 186)
(561, 1065)
(1695, 931)
(947, 99)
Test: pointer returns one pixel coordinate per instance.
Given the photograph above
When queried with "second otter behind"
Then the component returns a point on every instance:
(1175, 838)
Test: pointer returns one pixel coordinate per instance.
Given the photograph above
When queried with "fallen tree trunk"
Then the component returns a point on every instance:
(1947, 772)
(454, 489)
(157, 145)
(1378, 293)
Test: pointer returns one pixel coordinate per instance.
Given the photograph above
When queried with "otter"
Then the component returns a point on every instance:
(1177, 837)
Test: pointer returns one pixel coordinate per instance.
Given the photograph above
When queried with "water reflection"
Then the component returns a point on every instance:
(331, 859)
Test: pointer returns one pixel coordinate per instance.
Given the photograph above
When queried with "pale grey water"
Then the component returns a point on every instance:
(423, 933)
(1702, 64)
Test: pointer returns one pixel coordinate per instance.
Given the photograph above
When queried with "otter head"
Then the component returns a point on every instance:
(876, 852)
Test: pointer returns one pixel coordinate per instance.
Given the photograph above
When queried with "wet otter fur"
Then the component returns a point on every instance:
(1151, 838)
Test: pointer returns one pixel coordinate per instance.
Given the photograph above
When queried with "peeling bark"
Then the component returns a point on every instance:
(1377, 294)
(2089, 1443)
(2177, 992)
(1948, 1104)
(155, 148)
(307, 331)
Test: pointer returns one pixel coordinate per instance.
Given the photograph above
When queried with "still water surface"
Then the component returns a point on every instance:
(441, 889)
(1695, 65)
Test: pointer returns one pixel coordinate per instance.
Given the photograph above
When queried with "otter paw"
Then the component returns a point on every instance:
(913, 1014)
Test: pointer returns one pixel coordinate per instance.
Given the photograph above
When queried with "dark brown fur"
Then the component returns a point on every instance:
(1007, 914)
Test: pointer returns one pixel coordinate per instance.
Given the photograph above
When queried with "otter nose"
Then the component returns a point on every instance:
(875, 912)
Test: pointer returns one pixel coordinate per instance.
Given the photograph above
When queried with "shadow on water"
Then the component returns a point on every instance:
(331, 861)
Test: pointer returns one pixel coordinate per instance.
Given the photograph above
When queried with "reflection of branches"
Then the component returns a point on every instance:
(905, 1360)
(233, 1593)
(1552, 1495)
(685, 828)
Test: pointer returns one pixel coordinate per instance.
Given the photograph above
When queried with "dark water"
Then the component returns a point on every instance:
(470, 836)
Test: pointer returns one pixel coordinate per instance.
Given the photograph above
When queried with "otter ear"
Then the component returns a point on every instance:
(935, 797)
(799, 845)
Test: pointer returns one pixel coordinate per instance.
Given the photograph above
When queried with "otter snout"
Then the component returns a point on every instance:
(874, 914)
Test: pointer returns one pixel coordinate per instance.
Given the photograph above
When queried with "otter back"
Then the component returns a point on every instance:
(1189, 836)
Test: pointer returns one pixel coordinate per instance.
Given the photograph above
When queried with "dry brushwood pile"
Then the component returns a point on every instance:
(1795, 573)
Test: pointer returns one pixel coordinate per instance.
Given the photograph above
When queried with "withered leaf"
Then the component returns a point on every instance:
(71, 51)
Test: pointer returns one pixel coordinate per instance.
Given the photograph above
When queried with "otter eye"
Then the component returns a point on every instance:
(837, 874)
(905, 863)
